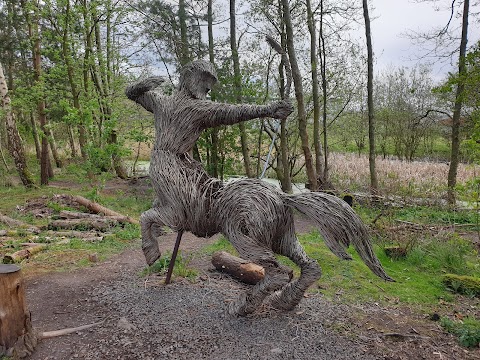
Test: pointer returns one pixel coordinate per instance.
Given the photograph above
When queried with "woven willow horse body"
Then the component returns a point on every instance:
(256, 217)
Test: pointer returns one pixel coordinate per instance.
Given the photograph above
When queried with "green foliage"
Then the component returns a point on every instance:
(467, 285)
(467, 330)
(220, 245)
(439, 256)
(181, 268)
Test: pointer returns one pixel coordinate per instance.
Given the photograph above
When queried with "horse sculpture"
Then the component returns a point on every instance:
(255, 217)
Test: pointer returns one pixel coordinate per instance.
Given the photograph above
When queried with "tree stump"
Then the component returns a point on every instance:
(17, 337)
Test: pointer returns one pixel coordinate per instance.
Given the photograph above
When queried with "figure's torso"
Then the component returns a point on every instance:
(176, 124)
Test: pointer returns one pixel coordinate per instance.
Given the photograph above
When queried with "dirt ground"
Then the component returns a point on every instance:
(144, 319)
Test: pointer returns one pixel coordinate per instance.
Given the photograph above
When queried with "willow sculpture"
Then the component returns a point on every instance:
(256, 217)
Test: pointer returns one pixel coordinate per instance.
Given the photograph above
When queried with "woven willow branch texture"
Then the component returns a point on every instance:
(256, 217)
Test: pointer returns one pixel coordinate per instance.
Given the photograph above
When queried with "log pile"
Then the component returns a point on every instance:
(63, 225)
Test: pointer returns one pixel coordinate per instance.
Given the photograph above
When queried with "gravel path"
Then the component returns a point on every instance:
(189, 321)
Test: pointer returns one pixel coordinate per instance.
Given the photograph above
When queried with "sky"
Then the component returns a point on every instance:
(392, 18)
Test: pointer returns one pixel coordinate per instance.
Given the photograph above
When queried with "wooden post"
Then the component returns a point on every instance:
(174, 257)
(17, 337)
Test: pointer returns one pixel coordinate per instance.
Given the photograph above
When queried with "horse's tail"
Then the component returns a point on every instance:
(339, 225)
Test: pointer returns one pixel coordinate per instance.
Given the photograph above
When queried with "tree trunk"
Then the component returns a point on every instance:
(53, 148)
(287, 176)
(323, 69)
(211, 55)
(371, 119)
(103, 89)
(71, 141)
(182, 19)
(297, 81)
(34, 35)
(315, 92)
(237, 83)
(15, 145)
(36, 138)
(462, 69)
(67, 58)
(17, 337)
(240, 269)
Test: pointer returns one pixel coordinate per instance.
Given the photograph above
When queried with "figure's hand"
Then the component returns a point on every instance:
(282, 109)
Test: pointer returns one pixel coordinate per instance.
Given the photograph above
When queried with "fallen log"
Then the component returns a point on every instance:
(66, 214)
(23, 254)
(97, 224)
(240, 269)
(17, 337)
(55, 333)
(7, 220)
(99, 209)
(75, 234)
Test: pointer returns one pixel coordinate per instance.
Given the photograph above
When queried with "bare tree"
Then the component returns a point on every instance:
(454, 156)
(297, 81)
(371, 118)
(237, 81)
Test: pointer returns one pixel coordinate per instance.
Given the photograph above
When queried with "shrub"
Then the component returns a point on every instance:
(468, 330)
(467, 285)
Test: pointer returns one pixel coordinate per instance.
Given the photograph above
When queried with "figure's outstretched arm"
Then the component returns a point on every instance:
(141, 93)
(215, 114)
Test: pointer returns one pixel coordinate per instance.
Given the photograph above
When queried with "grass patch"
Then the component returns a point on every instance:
(221, 244)
(467, 330)
(418, 276)
(181, 268)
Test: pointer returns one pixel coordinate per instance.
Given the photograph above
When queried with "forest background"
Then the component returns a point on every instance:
(67, 63)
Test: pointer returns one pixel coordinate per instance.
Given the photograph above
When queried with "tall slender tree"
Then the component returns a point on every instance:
(462, 70)
(315, 91)
(371, 118)
(297, 81)
(237, 83)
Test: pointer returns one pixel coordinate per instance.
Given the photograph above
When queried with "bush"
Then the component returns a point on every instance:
(467, 285)
(468, 330)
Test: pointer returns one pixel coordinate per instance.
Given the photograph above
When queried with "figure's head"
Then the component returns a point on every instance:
(197, 78)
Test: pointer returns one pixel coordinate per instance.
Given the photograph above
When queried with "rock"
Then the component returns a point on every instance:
(124, 324)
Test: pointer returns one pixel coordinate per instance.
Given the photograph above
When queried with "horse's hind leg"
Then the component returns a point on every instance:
(151, 225)
(291, 294)
(276, 275)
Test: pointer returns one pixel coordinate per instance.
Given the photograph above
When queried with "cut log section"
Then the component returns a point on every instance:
(24, 253)
(240, 269)
(17, 337)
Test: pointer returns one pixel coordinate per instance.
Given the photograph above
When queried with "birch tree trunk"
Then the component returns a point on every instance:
(15, 145)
